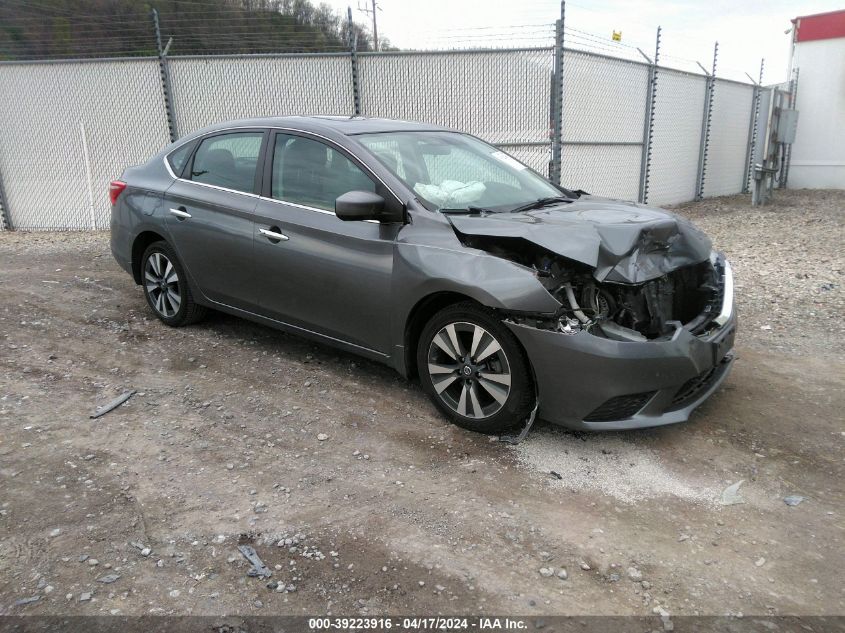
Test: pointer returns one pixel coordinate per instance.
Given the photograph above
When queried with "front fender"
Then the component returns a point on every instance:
(422, 270)
(492, 281)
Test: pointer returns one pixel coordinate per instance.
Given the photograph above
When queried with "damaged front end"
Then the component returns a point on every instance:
(637, 340)
(690, 297)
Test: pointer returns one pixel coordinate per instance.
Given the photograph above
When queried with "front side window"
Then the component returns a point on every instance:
(228, 160)
(453, 171)
(312, 174)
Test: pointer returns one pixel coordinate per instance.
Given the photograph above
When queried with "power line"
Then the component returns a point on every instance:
(375, 21)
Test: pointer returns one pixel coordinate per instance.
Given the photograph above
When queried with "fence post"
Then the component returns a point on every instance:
(710, 88)
(752, 129)
(5, 218)
(352, 39)
(787, 149)
(648, 123)
(86, 155)
(164, 68)
(557, 98)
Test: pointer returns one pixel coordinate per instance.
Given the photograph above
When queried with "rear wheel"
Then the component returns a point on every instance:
(474, 370)
(166, 287)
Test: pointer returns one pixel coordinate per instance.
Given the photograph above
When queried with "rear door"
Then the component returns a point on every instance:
(210, 215)
(314, 270)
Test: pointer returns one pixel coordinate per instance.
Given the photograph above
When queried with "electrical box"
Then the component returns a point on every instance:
(787, 125)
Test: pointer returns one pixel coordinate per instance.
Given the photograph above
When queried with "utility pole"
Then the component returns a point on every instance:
(368, 11)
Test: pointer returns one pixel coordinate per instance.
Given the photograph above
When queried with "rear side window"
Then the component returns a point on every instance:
(228, 160)
(178, 158)
(311, 173)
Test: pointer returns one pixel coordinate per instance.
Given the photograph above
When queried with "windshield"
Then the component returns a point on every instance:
(455, 172)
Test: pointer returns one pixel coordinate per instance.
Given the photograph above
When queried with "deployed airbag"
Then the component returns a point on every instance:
(451, 192)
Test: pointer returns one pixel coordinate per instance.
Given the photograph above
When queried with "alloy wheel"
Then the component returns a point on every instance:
(469, 370)
(162, 284)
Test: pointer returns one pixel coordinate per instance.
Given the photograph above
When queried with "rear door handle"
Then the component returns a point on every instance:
(274, 234)
(180, 213)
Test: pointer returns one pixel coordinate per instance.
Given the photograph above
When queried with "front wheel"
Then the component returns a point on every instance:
(166, 286)
(474, 370)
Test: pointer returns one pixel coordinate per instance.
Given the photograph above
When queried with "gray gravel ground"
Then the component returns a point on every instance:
(789, 259)
(363, 500)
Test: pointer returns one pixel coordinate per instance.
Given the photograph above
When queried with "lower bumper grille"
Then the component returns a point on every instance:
(694, 387)
(620, 407)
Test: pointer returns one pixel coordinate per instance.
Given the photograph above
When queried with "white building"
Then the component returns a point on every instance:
(818, 53)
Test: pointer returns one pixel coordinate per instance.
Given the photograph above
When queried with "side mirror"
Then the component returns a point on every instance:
(360, 205)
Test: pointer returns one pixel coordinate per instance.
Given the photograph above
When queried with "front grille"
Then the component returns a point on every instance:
(620, 407)
(693, 387)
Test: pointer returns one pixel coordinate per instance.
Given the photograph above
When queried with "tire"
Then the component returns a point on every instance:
(476, 388)
(166, 288)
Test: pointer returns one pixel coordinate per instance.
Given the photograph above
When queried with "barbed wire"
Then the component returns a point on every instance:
(198, 27)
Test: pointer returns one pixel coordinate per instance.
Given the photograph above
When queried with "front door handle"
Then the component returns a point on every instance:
(180, 213)
(274, 234)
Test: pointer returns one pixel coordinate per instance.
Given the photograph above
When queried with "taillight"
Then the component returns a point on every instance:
(116, 188)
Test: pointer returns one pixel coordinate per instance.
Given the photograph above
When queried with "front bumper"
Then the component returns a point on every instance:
(592, 383)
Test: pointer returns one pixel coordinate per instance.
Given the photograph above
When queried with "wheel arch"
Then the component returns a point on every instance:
(139, 245)
(419, 315)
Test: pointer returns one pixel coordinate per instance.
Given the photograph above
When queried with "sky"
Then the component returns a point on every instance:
(747, 30)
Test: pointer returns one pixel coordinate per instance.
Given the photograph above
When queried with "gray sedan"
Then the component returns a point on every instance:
(440, 255)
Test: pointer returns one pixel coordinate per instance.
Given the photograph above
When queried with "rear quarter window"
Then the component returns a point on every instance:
(178, 158)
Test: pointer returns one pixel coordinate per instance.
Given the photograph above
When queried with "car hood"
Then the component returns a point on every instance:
(623, 242)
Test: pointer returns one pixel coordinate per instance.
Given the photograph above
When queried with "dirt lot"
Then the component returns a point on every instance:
(397, 511)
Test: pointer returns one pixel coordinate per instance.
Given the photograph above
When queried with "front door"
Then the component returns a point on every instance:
(314, 270)
(210, 216)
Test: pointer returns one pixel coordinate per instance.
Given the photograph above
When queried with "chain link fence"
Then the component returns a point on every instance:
(208, 90)
(729, 138)
(678, 112)
(73, 126)
(501, 96)
(602, 131)
(68, 129)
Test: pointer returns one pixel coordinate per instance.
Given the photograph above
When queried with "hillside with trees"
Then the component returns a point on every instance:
(52, 29)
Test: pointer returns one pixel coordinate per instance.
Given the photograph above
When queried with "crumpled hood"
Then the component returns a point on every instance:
(623, 242)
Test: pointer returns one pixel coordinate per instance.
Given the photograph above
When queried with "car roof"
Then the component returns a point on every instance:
(345, 125)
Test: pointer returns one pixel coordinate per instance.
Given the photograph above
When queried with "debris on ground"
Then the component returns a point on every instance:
(730, 495)
(258, 569)
(108, 578)
(516, 439)
(793, 500)
(30, 600)
(114, 404)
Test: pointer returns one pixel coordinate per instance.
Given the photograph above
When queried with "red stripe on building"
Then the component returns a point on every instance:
(822, 26)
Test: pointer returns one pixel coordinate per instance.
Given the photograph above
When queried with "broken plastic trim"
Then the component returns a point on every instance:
(529, 422)
(727, 293)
